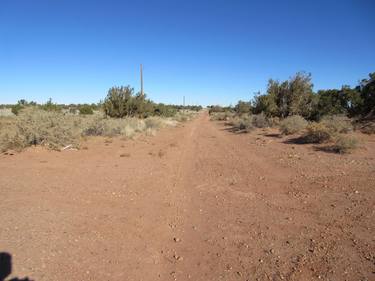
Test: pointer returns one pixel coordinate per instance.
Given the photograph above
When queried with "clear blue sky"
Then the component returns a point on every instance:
(213, 52)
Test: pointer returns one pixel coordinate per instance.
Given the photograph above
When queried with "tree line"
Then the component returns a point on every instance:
(295, 96)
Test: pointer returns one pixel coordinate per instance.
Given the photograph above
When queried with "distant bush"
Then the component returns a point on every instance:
(215, 108)
(184, 115)
(50, 106)
(17, 108)
(345, 144)
(293, 124)
(85, 110)
(164, 110)
(221, 116)
(260, 120)
(123, 102)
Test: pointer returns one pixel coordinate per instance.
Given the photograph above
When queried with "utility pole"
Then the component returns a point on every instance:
(184, 101)
(142, 93)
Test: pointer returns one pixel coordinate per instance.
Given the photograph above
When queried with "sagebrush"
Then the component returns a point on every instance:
(55, 130)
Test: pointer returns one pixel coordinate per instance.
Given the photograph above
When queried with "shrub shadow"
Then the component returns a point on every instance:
(298, 140)
(235, 130)
(274, 135)
(6, 268)
(329, 149)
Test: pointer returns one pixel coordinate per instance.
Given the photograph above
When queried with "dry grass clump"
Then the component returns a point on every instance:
(221, 116)
(367, 127)
(293, 124)
(56, 130)
(38, 127)
(109, 127)
(184, 115)
(243, 124)
(6, 112)
(274, 121)
(345, 144)
(328, 129)
(317, 133)
(260, 120)
(337, 123)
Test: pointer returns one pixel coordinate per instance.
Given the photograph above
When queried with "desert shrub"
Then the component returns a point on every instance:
(274, 121)
(85, 110)
(36, 127)
(260, 120)
(122, 102)
(317, 133)
(108, 127)
(337, 123)
(243, 107)
(243, 123)
(293, 124)
(345, 144)
(215, 108)
(164, 110)
(154, 123)
(221, 116)
(56, 130)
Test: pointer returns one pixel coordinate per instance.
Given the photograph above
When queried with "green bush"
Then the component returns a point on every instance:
(85, 110)
(17, 108)
(119, 102)
(293, 124)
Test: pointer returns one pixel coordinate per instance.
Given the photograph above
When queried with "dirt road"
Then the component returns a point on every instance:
(195, 202)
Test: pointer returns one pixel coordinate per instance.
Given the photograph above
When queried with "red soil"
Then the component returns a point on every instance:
(195, 202)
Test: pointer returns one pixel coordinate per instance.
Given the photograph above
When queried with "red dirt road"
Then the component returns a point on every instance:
(195, 202)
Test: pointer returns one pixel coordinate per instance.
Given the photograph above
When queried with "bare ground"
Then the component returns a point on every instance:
(195, 202)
